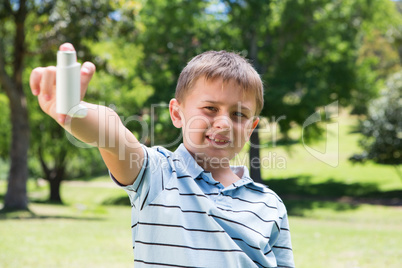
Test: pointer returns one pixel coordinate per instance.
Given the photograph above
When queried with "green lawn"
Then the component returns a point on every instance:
(82, 233)
(367, 236)
(87, 233)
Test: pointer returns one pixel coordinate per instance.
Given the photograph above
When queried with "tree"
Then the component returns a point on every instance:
(307, 54)
(382, 129)
(70, 21)
(12, 54)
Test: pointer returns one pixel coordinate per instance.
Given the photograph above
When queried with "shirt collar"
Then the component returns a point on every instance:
(186, 162)
(245, 178)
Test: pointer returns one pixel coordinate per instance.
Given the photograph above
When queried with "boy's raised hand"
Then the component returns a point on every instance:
(43, 84)
(101, 127)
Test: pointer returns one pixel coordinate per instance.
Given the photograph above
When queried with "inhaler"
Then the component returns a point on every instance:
(68, 85)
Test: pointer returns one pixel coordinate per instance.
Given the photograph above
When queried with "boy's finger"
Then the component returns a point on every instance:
(48, 83)
(61, 118)
(34, 80)
(66, 47)
(87, 71)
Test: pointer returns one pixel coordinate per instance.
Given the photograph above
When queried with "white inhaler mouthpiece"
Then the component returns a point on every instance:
(68, 85)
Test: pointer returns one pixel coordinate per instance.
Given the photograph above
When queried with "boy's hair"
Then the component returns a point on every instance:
(225, 65)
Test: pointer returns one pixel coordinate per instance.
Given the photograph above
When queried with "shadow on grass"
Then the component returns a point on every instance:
(281, 142)
(30, 215)
(301, 195)
(299, 207)
(40, 200)
(117, 201)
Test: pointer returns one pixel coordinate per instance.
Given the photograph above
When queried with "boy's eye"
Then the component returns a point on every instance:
(239, 114)
(210, 108)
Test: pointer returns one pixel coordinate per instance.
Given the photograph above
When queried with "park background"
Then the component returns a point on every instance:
(330, 138)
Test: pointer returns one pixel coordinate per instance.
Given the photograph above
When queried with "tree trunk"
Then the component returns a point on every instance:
(55, 190)
(254, 153)
(255, 164)
(16, 196)
(54, 176)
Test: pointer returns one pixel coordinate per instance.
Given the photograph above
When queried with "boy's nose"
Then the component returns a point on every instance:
(222, 122)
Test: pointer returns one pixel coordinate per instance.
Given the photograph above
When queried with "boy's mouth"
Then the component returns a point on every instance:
(218, 139)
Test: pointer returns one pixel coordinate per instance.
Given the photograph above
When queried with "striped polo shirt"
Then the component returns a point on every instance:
(182, 217)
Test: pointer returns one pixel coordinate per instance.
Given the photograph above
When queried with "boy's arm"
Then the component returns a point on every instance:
(283, 246)
(120, 150)
(102, 127)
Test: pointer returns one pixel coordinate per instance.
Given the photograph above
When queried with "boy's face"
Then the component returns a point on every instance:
(216, 118)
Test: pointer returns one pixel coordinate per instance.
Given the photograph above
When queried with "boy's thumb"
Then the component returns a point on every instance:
(66, 47)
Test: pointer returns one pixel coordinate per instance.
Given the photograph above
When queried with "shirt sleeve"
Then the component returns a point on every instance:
(150, 181)
(283, 246)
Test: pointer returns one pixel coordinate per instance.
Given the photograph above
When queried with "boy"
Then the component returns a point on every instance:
(190, 208)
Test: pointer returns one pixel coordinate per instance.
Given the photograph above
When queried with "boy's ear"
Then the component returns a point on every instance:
(255, 122)
(175, 113)
(254, 125)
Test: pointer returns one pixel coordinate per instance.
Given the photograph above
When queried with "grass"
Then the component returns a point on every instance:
(87, 233)
(66, 239)
(331, 225)
(82, 233)
(367, 236)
